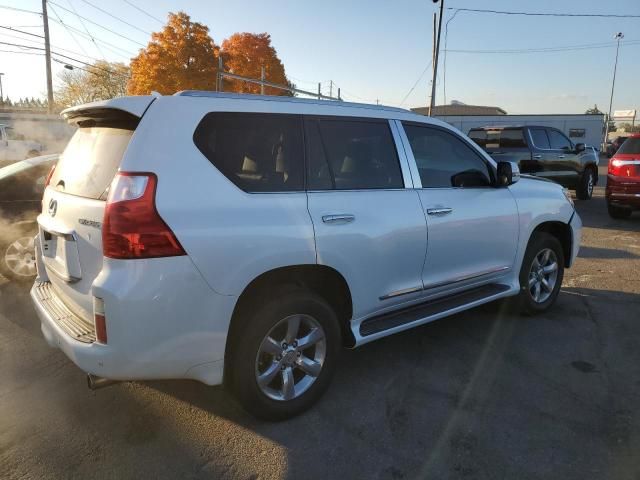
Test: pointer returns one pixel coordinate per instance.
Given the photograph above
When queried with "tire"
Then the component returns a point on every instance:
(539, 244)
(17, 259)
(586, 184)
(253, 356)
(618, 212)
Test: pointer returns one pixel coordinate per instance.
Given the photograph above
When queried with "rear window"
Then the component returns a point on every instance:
(90, 161)
(257, 152)
(630, 145)
(493, 139)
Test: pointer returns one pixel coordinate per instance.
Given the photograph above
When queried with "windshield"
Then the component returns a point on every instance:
(90, 161)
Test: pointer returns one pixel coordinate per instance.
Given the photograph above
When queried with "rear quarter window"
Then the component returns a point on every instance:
(630, 145)
(257, 152)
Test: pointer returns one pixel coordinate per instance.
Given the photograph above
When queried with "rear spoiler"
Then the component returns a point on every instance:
(123, 112)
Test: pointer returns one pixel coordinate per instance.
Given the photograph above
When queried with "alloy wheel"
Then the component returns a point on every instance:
(290, 357)
(19, 257)
(543, 275)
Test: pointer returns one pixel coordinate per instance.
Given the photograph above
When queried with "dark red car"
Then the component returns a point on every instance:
(623, 179)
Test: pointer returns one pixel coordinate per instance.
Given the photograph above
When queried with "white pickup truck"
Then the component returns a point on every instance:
(13, 149)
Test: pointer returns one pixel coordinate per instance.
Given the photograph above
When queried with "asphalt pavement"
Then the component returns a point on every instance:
(484, 395)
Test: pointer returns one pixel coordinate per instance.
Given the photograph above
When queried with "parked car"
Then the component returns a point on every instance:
(246, 239)
(623, 179)
(543, 152)
(21, 187)
(13, 149)
(613, 147)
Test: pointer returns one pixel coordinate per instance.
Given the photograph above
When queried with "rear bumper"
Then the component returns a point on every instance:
(621, 192)
(576, 236)
(163, 321)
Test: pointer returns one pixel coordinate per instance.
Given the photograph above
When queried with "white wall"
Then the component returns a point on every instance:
(593, 124)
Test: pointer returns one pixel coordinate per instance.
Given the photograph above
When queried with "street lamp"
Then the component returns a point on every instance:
(618, 36)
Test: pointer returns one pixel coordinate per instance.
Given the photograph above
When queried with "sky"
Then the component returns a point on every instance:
(373, 50)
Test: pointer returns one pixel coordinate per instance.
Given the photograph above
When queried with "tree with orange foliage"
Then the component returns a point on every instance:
(181, 57)
(244, 54)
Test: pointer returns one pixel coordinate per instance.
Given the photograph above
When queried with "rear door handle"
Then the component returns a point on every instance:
(338, 219)
(439, 211)
(537, 157)
(560, 156)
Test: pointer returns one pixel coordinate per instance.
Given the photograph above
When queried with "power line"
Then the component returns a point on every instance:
(41, 37)
(85, 29)
(103, 42)
(592, 46)
(30, 47)
(537, 14)
(416, 84)
(22, 53)
(144, 11)
(113, 16)
(68, 31)
(6, 7)
(96, 24)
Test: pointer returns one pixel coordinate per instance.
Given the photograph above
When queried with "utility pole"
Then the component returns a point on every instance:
(319, 90)
(1, 91)
(331, 88)
(47, 56)
(219, 83)
(618, 36)
(435, 62)
(262, 79)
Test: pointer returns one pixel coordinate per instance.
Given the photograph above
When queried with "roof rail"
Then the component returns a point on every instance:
(274, 98)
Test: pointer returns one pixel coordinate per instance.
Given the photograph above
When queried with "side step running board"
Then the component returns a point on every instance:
(394, 319)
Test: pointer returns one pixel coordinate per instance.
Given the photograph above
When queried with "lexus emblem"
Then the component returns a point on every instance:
(53, 207)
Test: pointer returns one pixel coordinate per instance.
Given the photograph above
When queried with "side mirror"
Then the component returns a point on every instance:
(580, 147)
(508, 173)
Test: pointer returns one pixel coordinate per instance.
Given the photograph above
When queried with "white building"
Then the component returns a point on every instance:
(580, 128)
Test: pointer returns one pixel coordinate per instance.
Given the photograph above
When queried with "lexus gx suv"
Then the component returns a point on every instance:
(244, 240)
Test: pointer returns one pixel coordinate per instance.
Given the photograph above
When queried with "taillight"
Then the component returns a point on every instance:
(49, 175)
(624, 168)
(132, 227)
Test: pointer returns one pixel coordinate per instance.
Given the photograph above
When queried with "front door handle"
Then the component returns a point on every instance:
(439, 211)
(560, 156)
(537, 157)
(338, 219)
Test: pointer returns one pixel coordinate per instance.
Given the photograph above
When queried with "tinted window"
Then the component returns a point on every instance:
(492, 139)
(539, 137)
(444, 160)
(351, 155)
(558, 140)
(631, 145)
(90, 161)
(257, 152)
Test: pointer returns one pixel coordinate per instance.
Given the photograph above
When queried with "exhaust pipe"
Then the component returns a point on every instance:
(95, 383)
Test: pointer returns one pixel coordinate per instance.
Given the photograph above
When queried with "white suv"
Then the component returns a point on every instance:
(246, 239)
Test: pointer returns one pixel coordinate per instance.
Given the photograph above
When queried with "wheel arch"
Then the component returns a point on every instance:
(320, 279)
(561, 231)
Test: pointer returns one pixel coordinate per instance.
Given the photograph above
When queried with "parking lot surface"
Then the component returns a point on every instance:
(483, 394)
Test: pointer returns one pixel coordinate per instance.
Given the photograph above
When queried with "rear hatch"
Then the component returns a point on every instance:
(74, 202)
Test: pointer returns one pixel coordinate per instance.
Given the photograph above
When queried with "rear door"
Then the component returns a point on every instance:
(70, 224)
(368, 221)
